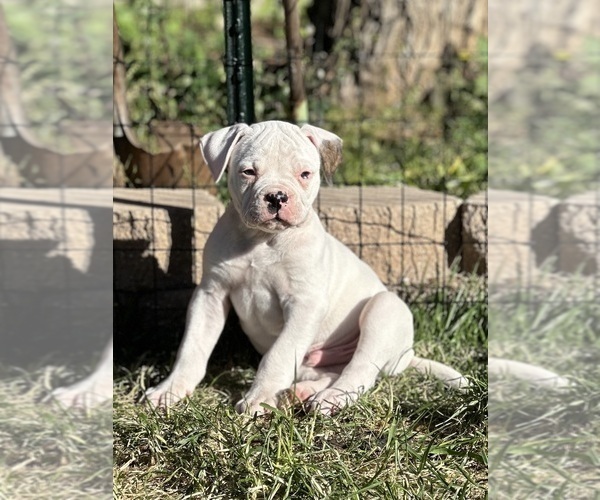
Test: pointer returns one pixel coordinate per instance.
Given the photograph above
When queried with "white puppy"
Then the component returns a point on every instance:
(323, 321)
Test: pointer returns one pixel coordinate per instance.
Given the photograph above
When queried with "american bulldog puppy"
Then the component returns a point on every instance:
(323, 321)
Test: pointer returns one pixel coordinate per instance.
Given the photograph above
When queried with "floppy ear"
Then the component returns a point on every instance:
(329, 146)
(217, 146)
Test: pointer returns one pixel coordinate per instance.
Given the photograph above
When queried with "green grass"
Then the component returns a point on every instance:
(409, 437)
(546, 444)
(45, 451)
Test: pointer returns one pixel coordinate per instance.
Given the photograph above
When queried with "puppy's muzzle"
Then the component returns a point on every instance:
(275, 201)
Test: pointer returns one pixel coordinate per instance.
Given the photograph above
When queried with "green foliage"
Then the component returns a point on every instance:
(439, 143)
(174, 66)
(175, 71)
(551, 145)
(64, 56)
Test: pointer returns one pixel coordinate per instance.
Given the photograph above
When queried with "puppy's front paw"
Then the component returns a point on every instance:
(166, 394)
(256, 406)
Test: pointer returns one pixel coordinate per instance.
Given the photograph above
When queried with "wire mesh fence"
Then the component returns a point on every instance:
(411, 109)
(351, 82)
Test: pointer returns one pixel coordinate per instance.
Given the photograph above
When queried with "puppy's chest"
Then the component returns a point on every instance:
(257, 296)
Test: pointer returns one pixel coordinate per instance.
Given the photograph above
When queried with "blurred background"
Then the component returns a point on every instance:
(405, 84)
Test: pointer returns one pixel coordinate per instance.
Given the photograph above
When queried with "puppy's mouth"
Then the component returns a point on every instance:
(276, 222)
(273, 224)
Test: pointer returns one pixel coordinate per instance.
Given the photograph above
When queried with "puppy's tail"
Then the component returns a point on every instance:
(449, 376)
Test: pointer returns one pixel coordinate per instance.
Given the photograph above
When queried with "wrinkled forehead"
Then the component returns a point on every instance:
(289, 147)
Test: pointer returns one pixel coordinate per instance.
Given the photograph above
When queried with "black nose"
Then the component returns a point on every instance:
(276, 199)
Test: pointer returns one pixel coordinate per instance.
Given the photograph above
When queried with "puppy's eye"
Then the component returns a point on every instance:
(250, 172)
(305, 175)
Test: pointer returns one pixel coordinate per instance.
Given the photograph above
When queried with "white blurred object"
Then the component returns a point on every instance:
(93, 390)
(535, 375)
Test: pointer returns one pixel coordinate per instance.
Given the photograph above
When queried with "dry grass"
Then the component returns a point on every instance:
(409, 437)
(47, 452)
(546, 444)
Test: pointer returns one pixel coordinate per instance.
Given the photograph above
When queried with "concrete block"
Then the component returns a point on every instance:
(522, 235)
(159, 236)
(401, 232)
(474, 229)
(52, 238)
(579, 233)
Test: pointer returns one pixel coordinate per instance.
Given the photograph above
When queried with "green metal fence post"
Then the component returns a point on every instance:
(238, 61)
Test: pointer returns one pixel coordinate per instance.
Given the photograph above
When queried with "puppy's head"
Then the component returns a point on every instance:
(274, 169)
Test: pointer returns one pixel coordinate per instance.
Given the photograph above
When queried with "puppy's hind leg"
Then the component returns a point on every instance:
(385, 345)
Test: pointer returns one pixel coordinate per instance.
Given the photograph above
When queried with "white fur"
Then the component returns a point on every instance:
(293, 286)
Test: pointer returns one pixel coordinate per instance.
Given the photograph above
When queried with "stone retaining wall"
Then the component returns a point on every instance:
(407, 235)
(56, 261)
(530, 235)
